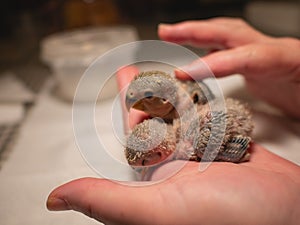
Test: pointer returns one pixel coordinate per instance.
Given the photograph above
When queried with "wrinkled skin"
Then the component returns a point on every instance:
(265, 190)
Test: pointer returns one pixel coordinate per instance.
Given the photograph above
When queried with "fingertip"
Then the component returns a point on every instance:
(55, 201)
(56, 204)
(135, 117)
(197, 70)
(127, 70)
(164, 26)
(163, 30)
(171, 33)
(180, 74)
(125, 74)
(60, 197)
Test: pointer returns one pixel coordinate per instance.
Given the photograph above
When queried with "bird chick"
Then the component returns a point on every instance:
(187, 138)
(150, 142)
(225, 132)
(161, 95)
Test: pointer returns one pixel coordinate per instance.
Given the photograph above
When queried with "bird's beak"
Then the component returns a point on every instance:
(133, 103)
(139, 105)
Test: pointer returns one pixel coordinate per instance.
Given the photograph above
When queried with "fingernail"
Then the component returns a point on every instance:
(57, 204)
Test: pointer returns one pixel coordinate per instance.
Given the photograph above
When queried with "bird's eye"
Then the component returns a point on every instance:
(195, 98)
(144, 162)
(148, 94)
(131, 94)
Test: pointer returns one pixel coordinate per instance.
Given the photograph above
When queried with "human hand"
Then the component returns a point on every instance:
(271, 66)
(130, 119)
(265, 190)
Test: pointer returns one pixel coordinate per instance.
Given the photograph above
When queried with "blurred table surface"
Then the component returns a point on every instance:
(45, 154)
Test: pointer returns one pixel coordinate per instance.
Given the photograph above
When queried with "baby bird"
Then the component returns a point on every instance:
(150, 142)
(153, 141)
(161, 95)
(189, 128)
(228, 130)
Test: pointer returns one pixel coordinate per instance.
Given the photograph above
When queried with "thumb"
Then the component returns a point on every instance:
(105, 201)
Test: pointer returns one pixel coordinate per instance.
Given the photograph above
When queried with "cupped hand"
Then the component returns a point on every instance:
(265, 190)
(271, 66)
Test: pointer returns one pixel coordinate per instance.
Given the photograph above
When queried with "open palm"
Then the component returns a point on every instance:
(265, 190)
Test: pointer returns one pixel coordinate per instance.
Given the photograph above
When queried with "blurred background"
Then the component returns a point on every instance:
(25, 23)
(44, 43)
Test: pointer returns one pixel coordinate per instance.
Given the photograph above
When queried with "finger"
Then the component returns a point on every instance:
(124, 76)
(196, 33)
(107, 201)
(135, 117)
(218, 33)
(243, 60)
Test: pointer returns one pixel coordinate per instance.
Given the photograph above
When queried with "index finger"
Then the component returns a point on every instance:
(216, 33)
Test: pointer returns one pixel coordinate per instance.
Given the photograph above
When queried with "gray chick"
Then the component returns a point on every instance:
(150, 142)
(195, 130)
(188, 138)
(224, 135)
(161, 95)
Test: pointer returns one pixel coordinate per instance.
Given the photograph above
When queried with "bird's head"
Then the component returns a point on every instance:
(153, 92)
(151, 142)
